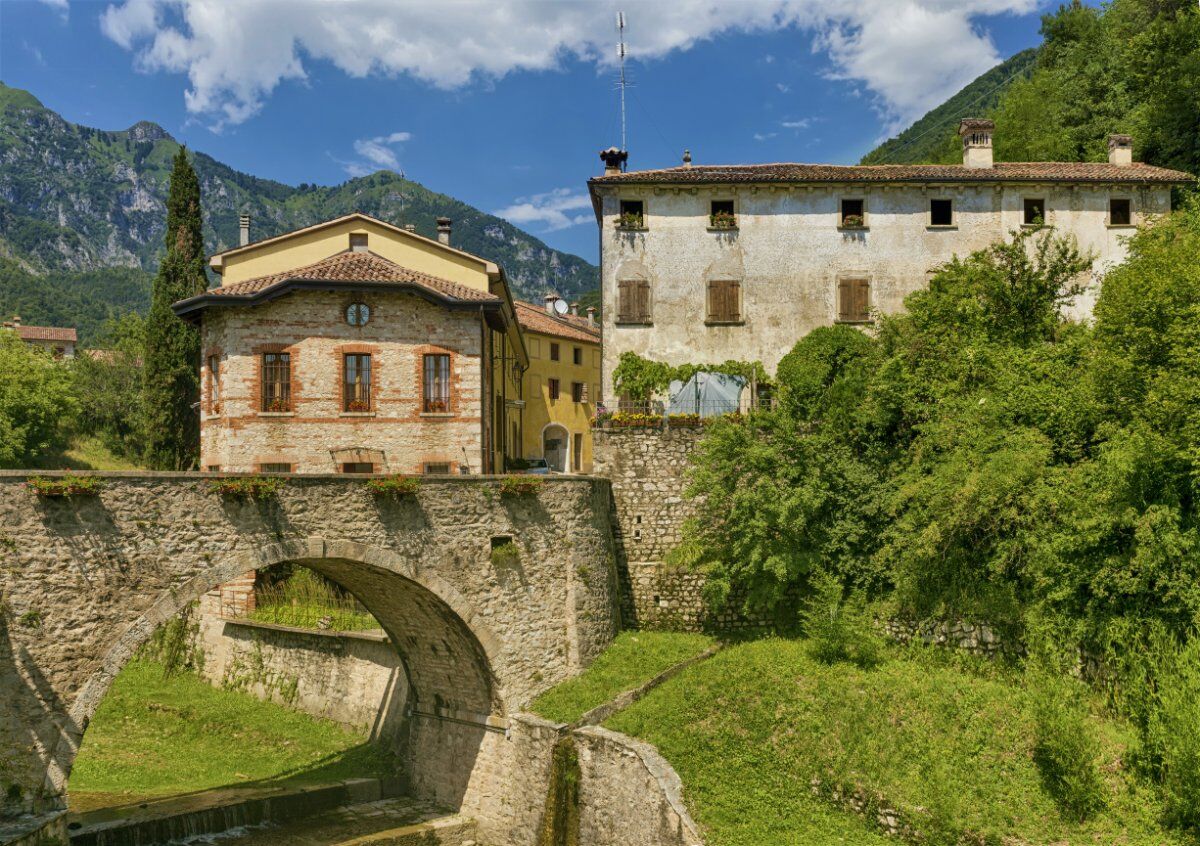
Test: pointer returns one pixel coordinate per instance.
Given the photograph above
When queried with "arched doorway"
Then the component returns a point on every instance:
(556, 443)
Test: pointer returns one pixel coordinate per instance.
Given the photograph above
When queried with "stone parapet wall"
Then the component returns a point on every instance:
(975, 638)
(628, 794)
(355, 679)
(647, 470)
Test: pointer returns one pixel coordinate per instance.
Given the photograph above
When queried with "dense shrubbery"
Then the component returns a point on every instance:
(982, 457)
(38, 406)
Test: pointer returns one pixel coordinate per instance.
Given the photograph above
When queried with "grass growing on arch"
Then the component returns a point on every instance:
(941, 737)
(154, 736)
(630, 661)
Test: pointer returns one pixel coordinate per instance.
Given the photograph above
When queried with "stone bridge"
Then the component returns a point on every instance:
(85, 581)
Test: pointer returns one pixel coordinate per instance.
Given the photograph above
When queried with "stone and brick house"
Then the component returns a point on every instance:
(706, 263)
(59, 341)
(357, 346)
(561, 384)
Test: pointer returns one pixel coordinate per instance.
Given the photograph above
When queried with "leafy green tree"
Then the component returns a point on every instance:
(37, 404)
(110, 377)
(171, 380)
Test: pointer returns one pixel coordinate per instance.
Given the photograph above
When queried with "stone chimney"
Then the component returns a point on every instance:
(976, 136)
(1120, 150)
(687, 158)
(574, 309)
(550, 300)
(614, 160)
(591, 313)
(243, 230)
(443, 226)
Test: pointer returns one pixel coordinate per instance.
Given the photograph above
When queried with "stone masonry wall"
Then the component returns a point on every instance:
(355, 679)
(317, 432)
(85, 581)
(646, 468)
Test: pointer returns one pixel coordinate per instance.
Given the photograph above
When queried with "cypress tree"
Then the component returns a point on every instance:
(171, 381)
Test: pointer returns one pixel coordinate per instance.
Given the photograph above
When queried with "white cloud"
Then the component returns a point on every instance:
(33, 50)
(803, 123)
(783, 87)
(557, 209)
(909, 54)
(377, 151)
(60, 6)
(764, 136)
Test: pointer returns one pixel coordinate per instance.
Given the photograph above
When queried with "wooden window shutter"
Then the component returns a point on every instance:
(845, 299)
(734, 299)
(624, 301)
(713, 307)
(861, 306)
(643, 300)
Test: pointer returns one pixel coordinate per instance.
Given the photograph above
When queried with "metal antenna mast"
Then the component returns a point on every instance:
(622, 82)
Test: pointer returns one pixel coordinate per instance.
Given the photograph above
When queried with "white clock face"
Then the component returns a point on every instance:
(357, 314)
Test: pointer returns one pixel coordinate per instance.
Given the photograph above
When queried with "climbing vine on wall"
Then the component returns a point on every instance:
(640, 378)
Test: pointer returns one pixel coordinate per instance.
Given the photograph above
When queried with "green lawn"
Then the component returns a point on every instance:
(630, 661)
(158, 737)
(85, 453)
(750, 728)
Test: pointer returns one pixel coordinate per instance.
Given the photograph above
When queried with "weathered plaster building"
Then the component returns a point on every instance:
(561, 385)
(710, 263)
(357, 346)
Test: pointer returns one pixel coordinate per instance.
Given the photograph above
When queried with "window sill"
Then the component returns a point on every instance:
(723, 228)
(437, 415)
(632, 229)
(276, 414)
(866, 321)
(941, 227)
(725, 323)
(1121, 225)
(357, 414)
(634, 322)
(854, 229)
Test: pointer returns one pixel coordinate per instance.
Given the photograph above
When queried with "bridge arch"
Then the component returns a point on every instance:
(447, 651)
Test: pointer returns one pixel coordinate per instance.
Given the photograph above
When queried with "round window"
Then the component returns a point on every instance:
(357, 314)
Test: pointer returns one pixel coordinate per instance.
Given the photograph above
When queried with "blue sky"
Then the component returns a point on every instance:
(501, 105)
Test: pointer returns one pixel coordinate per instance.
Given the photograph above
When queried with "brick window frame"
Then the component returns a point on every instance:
(454, 406)
(340, 353)
(212, 407)
(293, 352)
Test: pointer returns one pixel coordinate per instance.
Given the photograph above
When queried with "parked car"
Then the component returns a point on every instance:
(537, 466)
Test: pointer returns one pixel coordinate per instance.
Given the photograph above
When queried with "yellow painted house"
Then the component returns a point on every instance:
(561, 385)
(354, 345)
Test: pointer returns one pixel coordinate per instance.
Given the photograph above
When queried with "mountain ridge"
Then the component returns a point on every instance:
(77, 199)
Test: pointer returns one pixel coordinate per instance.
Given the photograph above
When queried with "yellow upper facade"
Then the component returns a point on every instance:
(307, 246)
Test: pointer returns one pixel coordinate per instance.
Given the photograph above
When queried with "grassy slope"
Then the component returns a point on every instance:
(157, 737)
(934, 138)
(86, 453)
(632, 660)
(748, 729)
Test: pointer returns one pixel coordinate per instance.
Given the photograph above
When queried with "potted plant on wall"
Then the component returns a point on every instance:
(629, 220)
(852, 221)
(722, 220)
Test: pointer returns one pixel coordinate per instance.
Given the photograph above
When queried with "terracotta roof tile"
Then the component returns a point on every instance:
(351, 267)
(44, 333)
(535, 319)
(1001, 172)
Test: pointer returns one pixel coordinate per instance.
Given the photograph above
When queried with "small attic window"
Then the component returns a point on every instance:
(358, 242)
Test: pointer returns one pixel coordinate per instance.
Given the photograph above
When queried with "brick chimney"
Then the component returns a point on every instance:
(976, 134)
(243, 230)
(591, 313)
(614, 160)
(1120, 150)
(550, 300)
(443, 229)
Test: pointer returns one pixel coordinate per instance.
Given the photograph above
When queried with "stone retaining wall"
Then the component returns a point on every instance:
(975, 638)
(355, 679)
(646, 468)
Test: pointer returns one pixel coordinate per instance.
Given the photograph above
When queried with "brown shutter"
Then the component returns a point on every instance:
(713, 307)
(735, 300)
(861, 289)
(845, 299)
(624, 301)
(643, 301)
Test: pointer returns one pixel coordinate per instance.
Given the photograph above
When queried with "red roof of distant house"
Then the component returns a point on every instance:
(535, 319)
(1001, 172)
(345, 269)
(43, 333)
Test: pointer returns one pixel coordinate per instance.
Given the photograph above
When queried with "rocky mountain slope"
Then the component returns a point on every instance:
(75, 199)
